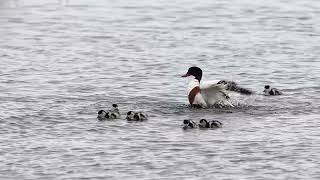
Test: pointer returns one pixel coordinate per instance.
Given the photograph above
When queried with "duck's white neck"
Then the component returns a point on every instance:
(194, 95)
(192, 84)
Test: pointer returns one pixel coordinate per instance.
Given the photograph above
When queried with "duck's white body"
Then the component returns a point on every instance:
(194, 94)
(207, 93)
(210, 93)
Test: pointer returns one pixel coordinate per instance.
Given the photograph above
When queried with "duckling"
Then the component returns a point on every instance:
(111, 114)
(115, 107)
(136, 116)
(215, 124)
(203, 123)
(189, 124)
(268, 91)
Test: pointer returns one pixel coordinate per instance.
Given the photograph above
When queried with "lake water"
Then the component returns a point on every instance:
(62, 61)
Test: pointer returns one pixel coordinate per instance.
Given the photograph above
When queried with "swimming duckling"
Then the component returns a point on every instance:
(268, 91)
(115, 107)
(188, 124)
(203, 123)
(136, 116)
(102, 114)
(111, 114)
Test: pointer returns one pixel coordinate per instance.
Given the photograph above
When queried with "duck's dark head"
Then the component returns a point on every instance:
(203, 123)
(188, 124)
(266, 86)
(194, 71)
(130, 116)
(186, 121)
(100, 112)
(115, 105)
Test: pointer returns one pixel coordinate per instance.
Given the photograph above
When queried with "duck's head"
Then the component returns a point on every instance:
(187, 124)
(194, 71)
(130, 115)
(115, 108)
(186, 121)
(101, 114)
(203, 123)
(266, 88)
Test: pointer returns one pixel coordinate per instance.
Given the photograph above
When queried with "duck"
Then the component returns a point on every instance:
(136, 116)
(203, 123)
(209, 93)
(188, 124)
(268, 91)
(111, 114)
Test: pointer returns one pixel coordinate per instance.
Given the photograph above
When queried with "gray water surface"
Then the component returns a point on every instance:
(62, 61)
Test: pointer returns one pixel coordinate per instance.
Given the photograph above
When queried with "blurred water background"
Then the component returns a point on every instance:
(62, 61)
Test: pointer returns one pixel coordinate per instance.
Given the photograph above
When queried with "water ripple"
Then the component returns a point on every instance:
(62, 61)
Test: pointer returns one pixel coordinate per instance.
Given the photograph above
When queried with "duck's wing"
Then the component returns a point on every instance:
(214, 93)
(232, 86)
(212, 84)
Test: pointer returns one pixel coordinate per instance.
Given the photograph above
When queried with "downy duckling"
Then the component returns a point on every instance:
(203, 123)
(268, 91)
(136, 116)
(189, 124)
(111, 114)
